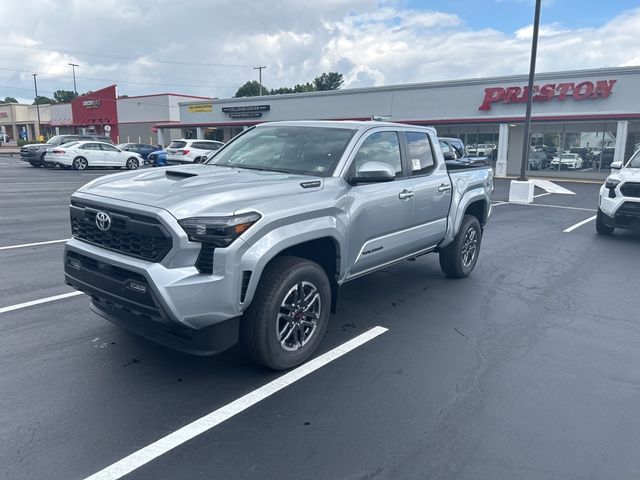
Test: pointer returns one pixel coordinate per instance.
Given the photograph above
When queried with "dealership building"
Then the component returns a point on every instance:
(593, 112)
(100, 112)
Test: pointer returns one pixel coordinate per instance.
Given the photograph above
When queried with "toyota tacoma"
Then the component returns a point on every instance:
(254, 244)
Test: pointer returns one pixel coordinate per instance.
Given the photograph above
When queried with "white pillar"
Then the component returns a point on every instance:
(161, 137)
(199, 133)
(621, 141)
(503, 150)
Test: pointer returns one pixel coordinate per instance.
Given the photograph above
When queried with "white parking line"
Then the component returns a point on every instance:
(545, 205)
(579, 224)
(11, 308)
(541, 195)
(203, 424)
(9, 247)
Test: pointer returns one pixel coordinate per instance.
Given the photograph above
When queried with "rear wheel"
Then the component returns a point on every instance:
(35, 165)
(80, 163)
(132, 163)
(601, 227)
(459, 258)
(288, 317)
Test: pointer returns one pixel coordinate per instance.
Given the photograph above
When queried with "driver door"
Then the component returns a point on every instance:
(381, 213)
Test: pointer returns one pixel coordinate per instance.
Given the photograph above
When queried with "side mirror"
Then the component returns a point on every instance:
(616, 165)
(449, 155)
(373, 172)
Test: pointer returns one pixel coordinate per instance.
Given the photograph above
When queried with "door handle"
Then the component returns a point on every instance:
(405, 195)
(444, 188)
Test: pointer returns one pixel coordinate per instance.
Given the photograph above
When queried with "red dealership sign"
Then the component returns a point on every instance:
(548, 92)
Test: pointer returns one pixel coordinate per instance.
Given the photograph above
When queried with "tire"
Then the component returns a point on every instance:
(132, 163)
(80, 163)
(454, 258)
(49, 165)
(274, 338)
(35, 165)
(601, 227)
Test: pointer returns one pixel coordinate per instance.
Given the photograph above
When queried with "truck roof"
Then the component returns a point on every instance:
(352, 124)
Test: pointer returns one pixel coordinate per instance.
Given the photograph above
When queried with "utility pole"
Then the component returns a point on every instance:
(35, 86)
(73, 67)
(259, 68)
(532, 72)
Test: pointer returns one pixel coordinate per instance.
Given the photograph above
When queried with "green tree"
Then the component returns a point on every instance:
(40, 100)
(328, 81)
(9, 100)
(251, 89)
(64, 96)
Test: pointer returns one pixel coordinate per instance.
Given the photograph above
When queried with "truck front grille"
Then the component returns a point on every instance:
(628, 214)
(130, 234)
(631, 189)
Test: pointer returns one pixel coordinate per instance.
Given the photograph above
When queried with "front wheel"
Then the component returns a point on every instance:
(601, 227)
(80, 163)
(288, 317)
(459, 258)
(132, 164)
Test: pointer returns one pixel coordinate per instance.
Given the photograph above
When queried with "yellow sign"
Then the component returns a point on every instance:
(207, 107)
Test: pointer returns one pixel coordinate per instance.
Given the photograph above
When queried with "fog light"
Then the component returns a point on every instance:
(138, 287)
(74, 263)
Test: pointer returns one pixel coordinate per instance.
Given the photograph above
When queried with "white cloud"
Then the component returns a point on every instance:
(371, 42)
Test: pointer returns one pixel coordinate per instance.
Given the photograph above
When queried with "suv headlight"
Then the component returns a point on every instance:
(219, 231)
(33, 149)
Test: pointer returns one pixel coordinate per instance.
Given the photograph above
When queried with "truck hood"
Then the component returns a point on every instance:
(201, 189)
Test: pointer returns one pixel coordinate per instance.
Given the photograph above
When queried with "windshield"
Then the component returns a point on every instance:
(55, 140)
(635, 161)
(567, 157)
(303, 150)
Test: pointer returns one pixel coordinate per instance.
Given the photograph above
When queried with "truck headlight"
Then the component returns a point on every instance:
(219, 231)
(611, 185)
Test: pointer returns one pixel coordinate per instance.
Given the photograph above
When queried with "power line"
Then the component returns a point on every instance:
(110, 100)
(39, 64)
(129, 59)
(114, 80)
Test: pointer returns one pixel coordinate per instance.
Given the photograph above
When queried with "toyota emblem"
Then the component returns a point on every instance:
(103, 221)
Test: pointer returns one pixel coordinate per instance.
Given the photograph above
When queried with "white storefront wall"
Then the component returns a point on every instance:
(603, 95)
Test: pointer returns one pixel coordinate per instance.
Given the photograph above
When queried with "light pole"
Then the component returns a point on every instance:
(532, 72)
(35, 86)
(259, 68)
(73, 68)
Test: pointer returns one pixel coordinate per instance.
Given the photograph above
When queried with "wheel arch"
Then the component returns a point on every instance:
(323, 248)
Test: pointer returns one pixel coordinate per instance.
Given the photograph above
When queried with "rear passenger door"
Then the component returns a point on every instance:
(432, 189)
(93, 154)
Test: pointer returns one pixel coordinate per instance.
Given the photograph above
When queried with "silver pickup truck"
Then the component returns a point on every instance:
(254, 244)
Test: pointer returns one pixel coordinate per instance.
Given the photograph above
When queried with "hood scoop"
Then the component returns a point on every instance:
(179, 174)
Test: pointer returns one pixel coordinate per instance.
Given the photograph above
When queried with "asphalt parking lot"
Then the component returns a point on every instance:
(528, 369)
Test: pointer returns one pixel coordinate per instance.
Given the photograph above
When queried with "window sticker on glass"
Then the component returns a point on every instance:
(415, 162)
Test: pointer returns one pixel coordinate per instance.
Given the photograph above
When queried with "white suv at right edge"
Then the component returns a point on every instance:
(190, 150)
(619, 204)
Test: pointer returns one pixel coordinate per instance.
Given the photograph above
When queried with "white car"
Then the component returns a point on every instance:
(190, 150)
(619, 203)
(81, 155)
(572, 161)
(481, 150)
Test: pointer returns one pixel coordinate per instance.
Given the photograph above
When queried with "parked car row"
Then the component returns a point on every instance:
(84, 151)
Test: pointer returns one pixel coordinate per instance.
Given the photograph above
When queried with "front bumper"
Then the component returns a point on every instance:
(176, 307)
(34, 157)
(620, 212)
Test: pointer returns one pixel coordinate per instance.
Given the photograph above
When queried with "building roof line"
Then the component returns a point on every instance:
(520, 78)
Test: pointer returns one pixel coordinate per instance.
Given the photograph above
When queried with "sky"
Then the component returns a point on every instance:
(209, 47)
